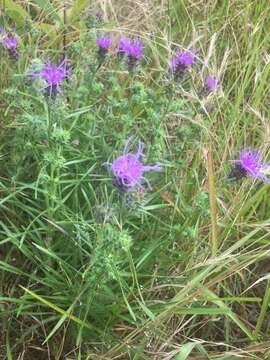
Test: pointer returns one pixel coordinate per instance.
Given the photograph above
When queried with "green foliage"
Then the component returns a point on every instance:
(91, 269)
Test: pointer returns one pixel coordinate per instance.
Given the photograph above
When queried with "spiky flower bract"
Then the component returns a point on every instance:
(249, 164)
(129, 170)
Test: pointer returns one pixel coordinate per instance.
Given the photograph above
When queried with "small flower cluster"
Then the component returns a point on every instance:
(10, 42)
(128, 169)
(183, 61)
(131, 48)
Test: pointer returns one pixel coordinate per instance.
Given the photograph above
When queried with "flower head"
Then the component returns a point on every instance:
(129, 170)
(181, 62)
(211, 83)
(134, 49)
(10, 42)
(53, 75)
(104, 42)
(249, 164)
(123, 45)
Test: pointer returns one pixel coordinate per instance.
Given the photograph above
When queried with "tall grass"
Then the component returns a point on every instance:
(176, 272)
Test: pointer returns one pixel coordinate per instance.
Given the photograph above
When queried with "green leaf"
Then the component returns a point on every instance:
(77, 8)
(16, 12)
(57, 308)
(48, 9)
(185, 351)
(202, 311)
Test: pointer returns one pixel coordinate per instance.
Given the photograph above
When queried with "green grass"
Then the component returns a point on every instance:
(176, 272)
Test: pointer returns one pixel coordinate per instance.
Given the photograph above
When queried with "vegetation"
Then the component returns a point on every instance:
(176, 267)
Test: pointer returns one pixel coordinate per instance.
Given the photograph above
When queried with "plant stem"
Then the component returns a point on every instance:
(213, 200)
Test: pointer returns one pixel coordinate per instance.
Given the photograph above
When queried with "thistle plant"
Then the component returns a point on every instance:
(94, 257)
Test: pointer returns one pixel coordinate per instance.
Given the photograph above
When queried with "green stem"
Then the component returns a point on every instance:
(213, 200)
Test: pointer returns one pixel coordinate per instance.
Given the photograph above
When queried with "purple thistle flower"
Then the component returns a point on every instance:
(104, 42)
(181, 62)
(250, 164)
(211, 83)
(134, 50)
(53, 76)
(10, 42)
(128, 169)
(123, 45)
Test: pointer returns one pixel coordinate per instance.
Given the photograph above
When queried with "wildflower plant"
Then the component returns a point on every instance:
(89, 255)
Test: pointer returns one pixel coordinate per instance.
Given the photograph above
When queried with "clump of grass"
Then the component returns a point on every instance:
(90, 268)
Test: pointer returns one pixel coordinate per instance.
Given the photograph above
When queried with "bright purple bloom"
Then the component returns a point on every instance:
(123, 45)
(211, 83)
(104, 42)
(182, 60)
(10, 42)
(180, 63)
(129, 170)
(250, 164)
(53, 75)
(134, 49)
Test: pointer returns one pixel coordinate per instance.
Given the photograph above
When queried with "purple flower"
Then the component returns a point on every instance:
(211, 83)
(129, 170)
(123, 45)
(250, 164)
(181, 62)
(53, 76)
(10, 42)
(104, 42)
(134, 50)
